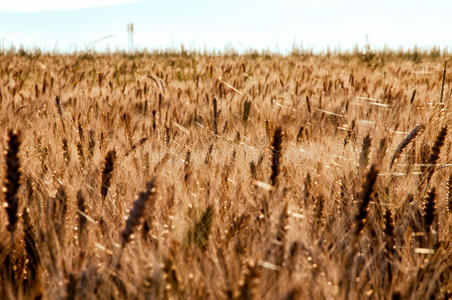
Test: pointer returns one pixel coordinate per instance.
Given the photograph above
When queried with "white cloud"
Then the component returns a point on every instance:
(42, 5)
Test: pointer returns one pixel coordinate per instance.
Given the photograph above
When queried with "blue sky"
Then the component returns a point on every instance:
(201, 24)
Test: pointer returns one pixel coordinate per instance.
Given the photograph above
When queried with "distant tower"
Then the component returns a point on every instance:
(130, 34)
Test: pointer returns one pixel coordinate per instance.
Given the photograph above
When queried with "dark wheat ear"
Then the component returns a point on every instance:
(215, 116)
(308, 104)
(80, 133)
(66, 155)
(137, 211)
(60, 208)
(429, 209)
(107, 172)
(253, 170)
(364, 199)
(209, 154)
(31, 250)
(91, 143)
(389, 243)
(435, 152)
(389, 232)
(365, 150)
(300, 133)
(81, 156)
(319, 210)
(405, 142)
(382, 150)
(442, 83)
(276, 154)
(12, 180)
(81, 217)
(60, 111)
(412, 97)
(170, 275)
(202, 228)
(250, 281)
(246, 109)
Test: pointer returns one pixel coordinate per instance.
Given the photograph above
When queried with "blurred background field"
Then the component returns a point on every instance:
(261, 175)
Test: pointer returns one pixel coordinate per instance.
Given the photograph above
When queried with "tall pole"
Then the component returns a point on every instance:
(130, 34)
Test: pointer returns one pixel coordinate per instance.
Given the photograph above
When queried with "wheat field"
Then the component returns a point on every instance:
(253, 176)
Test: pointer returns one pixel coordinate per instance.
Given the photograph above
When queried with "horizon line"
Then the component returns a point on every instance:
(229, 50)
